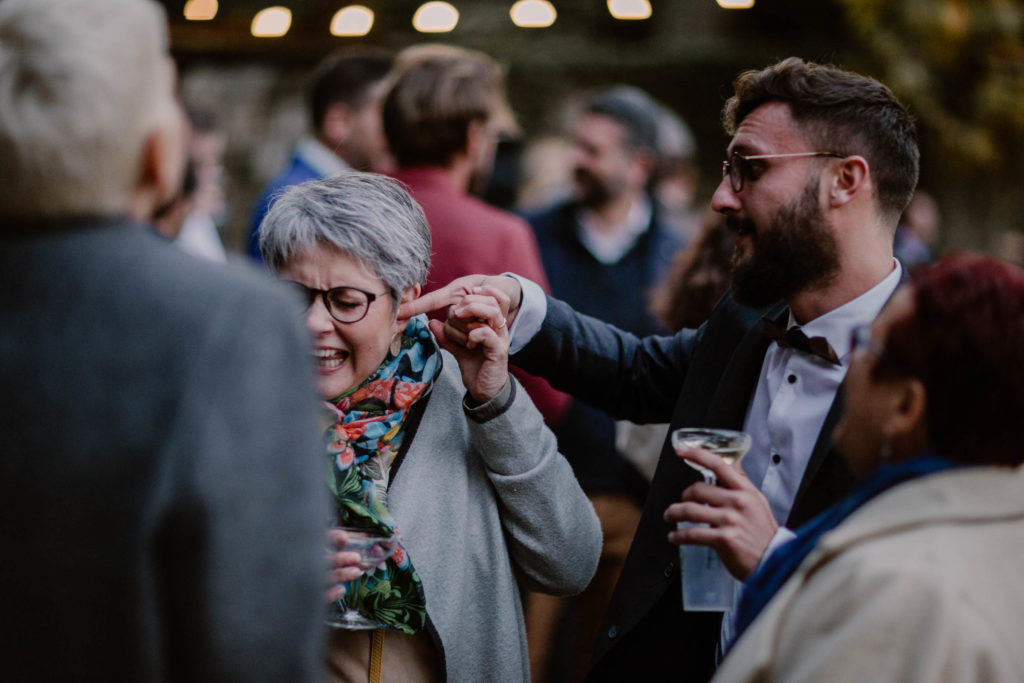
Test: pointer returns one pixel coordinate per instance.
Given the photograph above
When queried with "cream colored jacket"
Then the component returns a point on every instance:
(923, 583)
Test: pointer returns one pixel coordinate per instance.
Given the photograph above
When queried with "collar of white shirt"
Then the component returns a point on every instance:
(323, 160)
(609, 246)
(837, 325)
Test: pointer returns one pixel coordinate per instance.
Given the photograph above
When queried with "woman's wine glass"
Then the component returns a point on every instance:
(374, 548)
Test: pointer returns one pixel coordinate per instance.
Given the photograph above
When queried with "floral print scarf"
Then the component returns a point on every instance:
(361, 446)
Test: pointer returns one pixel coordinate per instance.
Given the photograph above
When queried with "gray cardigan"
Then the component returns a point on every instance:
(484, 508)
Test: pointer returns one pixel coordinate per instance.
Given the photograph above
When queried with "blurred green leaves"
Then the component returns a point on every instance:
(959, 65)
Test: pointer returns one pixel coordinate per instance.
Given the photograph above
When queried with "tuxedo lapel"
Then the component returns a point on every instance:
(728, 406)
(827, 477)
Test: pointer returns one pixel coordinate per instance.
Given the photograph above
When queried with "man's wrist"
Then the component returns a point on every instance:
(532, 309)
(782, 536)
(516, 299)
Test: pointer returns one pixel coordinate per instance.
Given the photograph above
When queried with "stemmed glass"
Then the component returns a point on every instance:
(374, 548)
(729, 444)
(707, 585)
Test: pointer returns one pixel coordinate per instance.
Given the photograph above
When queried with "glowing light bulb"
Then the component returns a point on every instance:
(435, 17)
(735, 4)
(630, 9)
(354, 20)
(533, 14)
(200, 10)
(272, 22)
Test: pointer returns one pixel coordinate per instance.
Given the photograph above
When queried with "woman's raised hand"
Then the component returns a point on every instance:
(454, 291)
(476, 333)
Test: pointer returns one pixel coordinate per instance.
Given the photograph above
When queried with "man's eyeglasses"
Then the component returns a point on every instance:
(345, 304)
(739, 168)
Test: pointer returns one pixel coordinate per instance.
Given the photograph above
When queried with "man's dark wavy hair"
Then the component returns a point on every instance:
(843, 112)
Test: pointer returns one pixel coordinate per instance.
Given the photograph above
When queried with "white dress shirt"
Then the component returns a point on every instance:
(321, 158)
(794, 394)
(609, 247)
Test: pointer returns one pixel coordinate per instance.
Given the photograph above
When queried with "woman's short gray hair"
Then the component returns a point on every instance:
(368, 215)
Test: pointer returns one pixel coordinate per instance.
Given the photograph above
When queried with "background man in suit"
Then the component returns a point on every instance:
(602, 249)
(161, 502)
(821, 164)
(344, 108)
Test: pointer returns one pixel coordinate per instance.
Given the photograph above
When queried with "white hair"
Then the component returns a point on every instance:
(82, 85)
(367, 215)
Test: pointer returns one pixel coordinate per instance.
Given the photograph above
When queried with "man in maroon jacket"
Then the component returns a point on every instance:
(442, 118)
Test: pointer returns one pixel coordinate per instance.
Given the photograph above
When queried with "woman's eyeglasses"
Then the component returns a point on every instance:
(860, 338)
(345, 304)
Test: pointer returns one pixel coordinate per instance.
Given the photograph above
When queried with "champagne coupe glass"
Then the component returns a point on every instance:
(729, 444)
(707, 585)
(374, 548)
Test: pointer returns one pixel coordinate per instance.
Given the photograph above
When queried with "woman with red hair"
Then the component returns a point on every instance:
(917, 575)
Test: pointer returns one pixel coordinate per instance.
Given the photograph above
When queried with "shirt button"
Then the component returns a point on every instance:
(669, 568)
(613, 632)
(776, 458)
(791, 379)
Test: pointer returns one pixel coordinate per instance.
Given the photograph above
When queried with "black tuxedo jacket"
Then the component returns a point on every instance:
(696, 378)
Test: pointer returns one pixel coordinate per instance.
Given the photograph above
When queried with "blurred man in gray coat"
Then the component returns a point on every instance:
(160, 498)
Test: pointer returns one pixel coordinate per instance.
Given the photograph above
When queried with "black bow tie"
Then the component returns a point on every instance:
(794, 338)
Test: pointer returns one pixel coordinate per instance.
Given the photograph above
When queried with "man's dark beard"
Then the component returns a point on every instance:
(590, 191)
(797, 252)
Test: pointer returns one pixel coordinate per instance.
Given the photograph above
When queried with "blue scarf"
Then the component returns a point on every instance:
(766, 581)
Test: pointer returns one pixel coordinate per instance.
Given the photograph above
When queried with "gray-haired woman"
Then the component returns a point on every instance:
(446, 450)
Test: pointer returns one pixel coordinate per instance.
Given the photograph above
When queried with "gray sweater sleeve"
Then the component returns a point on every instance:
(553, 533)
